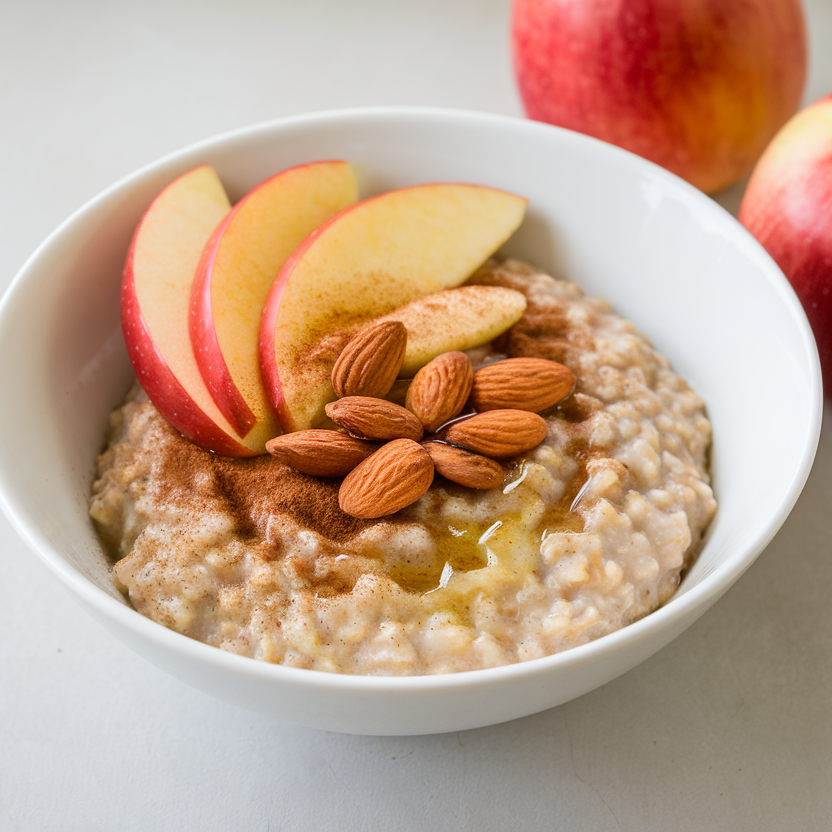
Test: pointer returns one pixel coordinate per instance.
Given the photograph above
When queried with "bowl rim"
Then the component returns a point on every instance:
(689, 605)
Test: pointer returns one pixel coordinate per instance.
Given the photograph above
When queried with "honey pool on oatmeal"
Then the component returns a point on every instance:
(588, 532)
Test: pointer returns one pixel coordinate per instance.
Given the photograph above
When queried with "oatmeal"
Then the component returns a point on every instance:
(587, 533)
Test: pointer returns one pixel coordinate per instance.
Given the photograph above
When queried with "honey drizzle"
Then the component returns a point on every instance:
(469, 550)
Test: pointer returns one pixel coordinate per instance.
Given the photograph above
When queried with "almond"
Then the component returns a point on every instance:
(440, 389)
(498, 433)
(532, 384)
(321, 453)
(395, 476)
(370, 362)
(376, 419)
(464, 467)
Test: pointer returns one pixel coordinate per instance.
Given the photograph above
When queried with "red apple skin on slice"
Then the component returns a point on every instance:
(368, 260)
(235, 272)
(155, 302)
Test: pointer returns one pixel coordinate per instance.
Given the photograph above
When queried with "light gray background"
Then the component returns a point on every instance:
(728, 728)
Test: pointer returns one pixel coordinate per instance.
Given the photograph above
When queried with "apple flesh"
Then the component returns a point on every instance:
(455, 320)
(368, 260)
(155, 304)
(697, 86)
(787, 206)
(236, 270)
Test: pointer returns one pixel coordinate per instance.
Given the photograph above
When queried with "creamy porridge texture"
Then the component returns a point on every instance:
(588, 532)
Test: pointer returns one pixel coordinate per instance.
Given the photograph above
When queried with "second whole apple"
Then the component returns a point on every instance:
(787, 206)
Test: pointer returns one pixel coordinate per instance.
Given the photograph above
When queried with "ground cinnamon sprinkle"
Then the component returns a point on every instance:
(263, 486)
(544, 331)
(260, 487)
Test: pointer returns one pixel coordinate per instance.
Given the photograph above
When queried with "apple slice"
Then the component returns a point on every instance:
(455, 320)
(234, 274)
(365, 262)
(155, 303)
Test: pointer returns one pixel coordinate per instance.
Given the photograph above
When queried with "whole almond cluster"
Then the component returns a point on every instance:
(388, 454)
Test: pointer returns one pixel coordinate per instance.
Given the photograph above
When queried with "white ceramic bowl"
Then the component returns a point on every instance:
(664, 254)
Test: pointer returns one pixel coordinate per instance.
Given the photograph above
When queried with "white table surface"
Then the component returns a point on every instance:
(728, 728)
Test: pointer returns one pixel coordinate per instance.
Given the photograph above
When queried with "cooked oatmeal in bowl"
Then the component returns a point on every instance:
(664, 256)
(586, 533)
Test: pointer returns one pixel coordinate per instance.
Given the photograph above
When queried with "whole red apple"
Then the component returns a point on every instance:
(698, 86)
(787, 206)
